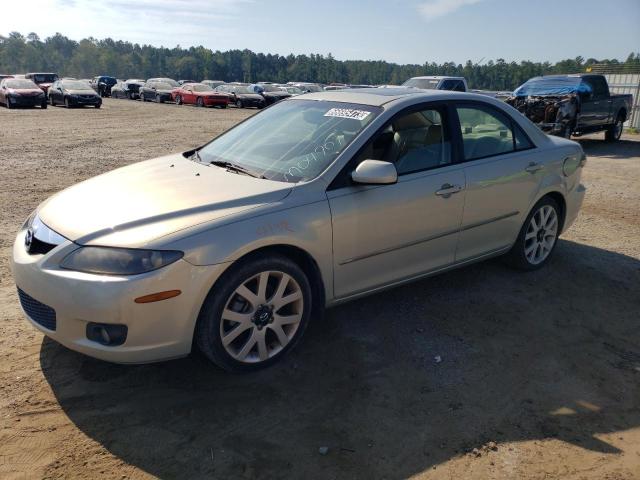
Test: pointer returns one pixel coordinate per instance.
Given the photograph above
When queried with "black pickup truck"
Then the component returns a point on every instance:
(568, 105)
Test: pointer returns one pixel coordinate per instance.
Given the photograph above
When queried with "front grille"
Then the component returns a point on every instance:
(38, 312)
(38, 247)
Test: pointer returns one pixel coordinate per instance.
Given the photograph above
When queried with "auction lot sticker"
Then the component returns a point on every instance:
(347, 113)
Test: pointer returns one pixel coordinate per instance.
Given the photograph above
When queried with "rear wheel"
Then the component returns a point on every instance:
(255, 314)
(538, 236)
(239, 104)
(614, 132)
(44, 103)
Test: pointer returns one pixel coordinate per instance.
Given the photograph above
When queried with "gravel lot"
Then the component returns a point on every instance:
(539, 374)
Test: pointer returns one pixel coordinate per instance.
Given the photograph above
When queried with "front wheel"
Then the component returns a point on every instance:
(159, 99)
(614, 132)
(538, 236)
(43, 104)
(178, 100)
(255, 314)
(239, 104)
(200, 102)
(67, 103)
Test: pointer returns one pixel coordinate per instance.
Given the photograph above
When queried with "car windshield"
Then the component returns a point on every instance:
(20, 84)
(424, 83)
(270, 88)
(294, 90)
(202, 88)
(75, 85)
(162, 86)
(292, 141)
(552, 86)
(242, 89)
(45, 77)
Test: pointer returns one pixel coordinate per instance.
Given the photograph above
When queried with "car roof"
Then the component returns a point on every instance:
(381, 96)
(438, 77)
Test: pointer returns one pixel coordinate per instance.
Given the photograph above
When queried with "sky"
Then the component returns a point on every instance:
(394, 30)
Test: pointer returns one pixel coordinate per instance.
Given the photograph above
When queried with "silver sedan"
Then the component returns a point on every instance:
(234, 247)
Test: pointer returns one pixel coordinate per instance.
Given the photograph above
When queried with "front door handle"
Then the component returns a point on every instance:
(533, 167)
(447, 190)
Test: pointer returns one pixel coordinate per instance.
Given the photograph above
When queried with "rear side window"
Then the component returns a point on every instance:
(487, 132)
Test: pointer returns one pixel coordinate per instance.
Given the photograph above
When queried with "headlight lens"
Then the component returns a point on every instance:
(118, 261)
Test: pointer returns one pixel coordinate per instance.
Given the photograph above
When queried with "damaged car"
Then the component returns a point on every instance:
(566, 105)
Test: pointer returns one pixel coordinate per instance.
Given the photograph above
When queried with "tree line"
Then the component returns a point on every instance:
(90, 57)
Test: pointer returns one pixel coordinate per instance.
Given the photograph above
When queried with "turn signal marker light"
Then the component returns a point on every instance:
(156, 297)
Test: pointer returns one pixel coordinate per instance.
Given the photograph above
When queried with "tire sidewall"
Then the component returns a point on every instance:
(207, 333)
(516, 255)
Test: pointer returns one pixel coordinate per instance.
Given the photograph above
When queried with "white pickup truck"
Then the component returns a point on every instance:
(437, 82)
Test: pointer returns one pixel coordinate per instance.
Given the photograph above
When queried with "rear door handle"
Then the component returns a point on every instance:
(447, 190)
(534, 167)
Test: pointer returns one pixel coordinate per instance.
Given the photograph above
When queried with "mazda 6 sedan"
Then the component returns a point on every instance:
(235, 246)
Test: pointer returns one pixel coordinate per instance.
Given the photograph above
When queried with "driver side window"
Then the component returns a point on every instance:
(412, 142)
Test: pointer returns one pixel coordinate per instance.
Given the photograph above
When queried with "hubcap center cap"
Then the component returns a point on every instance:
(262, 316)
(540, 235)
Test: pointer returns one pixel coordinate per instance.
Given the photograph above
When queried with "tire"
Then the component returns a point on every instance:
(52, 102)
(8, 104)
(224, 105)
(200, 102)
(261, 340)
(132, 96)
(614, 132)
(566, 131)
(67, 104)
(142, 98)
(239, 104)
(98, 105)
(178, 100)
(535, 245)
(159, 99)
(44, 105)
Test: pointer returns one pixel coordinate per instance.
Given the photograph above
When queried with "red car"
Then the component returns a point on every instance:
(200, 95)
(20, 92)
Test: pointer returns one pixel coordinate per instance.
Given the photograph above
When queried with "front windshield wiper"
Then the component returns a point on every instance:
(234, 167)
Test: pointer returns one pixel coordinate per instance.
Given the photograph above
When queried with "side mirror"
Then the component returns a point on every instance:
(375, 172)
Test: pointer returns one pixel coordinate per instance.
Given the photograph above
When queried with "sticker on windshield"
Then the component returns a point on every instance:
(347, 113)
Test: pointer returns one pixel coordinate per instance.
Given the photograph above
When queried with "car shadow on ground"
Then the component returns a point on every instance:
(393, 384)
(623, 149)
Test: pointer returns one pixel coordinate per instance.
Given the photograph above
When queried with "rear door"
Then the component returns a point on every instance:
(384, 234)
(502, 179)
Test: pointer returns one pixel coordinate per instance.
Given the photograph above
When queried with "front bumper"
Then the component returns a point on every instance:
(26, 101)
(156, 331)
(214, 102)
(88, 100)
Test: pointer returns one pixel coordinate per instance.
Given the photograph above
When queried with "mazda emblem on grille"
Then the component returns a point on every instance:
(28, 239)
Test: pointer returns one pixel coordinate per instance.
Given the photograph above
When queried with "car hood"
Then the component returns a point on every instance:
(133, 205)
(81, 92)
(24, 91)
(251, 96)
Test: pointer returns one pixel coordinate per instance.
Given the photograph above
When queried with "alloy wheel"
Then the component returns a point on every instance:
(261, 316)
(541, 234)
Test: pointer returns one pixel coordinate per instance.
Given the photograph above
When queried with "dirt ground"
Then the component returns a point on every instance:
(539, 374)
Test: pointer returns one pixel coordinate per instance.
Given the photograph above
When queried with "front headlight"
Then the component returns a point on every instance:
(118, 261)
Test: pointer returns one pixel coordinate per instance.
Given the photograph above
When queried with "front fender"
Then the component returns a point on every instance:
(307, 227)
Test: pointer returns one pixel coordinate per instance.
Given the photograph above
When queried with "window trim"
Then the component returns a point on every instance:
(343, 178)
(490, 108)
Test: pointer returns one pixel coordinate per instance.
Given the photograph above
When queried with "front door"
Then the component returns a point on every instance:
(384, 234)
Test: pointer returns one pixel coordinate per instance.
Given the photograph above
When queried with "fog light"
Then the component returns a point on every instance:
(107, 334)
